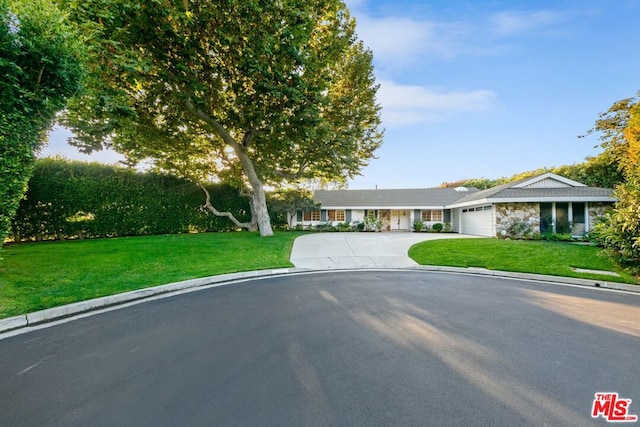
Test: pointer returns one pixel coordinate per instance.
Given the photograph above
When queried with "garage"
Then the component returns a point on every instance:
(477, 221)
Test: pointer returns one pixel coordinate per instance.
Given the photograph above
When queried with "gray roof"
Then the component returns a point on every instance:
(505, 192)
(544, 187)
(411, 197)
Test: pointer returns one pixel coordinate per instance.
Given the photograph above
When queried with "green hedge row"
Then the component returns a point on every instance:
(69, 199)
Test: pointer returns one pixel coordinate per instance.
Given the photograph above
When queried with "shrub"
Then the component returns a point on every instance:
(563, 226)
(518, 229)
(343, 226)
(372, 224)
(324, 226)
(619, 232)
(557, 237)
(418, 225)
(437, 227)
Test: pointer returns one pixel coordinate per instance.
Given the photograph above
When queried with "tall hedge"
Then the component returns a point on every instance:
(40, 69)
(70, 199)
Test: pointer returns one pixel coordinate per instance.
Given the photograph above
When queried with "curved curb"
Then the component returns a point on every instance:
(69, 310)
(56, 313)
(535, 277)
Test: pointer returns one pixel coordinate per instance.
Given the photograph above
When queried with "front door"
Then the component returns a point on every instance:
(399, 220)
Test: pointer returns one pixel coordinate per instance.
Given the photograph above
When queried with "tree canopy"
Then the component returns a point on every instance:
(597, 171)
(249, 92)
(619, 129)
(40, 68)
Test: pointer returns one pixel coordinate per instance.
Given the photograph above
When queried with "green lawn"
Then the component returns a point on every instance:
(35, 276)
(540, 257)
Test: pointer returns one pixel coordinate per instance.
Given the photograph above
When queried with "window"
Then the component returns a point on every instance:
(546, 217)
(311, 216)
(563, 217)
(432, 215)
(578, 212)
(335, 215)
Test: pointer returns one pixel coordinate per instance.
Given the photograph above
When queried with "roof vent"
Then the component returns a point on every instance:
(461, 189)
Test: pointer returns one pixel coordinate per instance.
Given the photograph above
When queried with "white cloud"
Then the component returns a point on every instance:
(411, 104)
(400, 40)
(511, 23)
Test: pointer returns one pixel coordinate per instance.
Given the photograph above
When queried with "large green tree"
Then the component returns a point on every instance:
(40, 69)
(249, 92)
(620, 138)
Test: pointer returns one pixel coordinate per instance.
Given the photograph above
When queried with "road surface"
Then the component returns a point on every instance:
(369, 348)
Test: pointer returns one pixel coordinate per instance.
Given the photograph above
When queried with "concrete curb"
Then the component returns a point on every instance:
(69, 310)
(56, 313)
(535, 277)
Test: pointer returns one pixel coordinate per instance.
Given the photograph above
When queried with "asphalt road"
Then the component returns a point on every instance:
(343, 348)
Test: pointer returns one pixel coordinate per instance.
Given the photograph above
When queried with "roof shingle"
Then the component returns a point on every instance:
(412, 197)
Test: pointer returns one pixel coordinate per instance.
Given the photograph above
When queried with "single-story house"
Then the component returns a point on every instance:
(546, 202)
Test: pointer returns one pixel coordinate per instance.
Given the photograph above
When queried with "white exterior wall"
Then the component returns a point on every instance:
(357, 215)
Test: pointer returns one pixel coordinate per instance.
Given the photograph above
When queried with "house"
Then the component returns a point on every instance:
(548, 202)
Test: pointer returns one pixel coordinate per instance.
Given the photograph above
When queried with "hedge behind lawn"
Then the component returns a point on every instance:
(70, 199)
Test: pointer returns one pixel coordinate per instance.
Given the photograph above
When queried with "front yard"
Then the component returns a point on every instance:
(36, 276)
(539, 257)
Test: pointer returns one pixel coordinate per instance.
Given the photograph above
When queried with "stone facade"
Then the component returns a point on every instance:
(507, 212)
(597, 211)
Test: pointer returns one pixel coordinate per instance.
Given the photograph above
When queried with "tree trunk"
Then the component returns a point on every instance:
(259, 204)
(258, 198)
(258, 195)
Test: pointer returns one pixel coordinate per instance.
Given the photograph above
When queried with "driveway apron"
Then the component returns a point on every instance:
(321, 251)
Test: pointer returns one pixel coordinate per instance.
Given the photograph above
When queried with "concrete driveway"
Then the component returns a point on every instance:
(322, 251)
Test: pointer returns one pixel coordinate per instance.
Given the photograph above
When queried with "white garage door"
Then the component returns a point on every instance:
(477, 221)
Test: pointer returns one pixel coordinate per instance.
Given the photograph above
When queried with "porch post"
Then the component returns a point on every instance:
(570, 213)
(587, 226)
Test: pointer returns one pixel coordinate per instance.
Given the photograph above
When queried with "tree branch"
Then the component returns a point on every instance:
(248, 225)
(290, 175)
(226, 136)
(248, 136)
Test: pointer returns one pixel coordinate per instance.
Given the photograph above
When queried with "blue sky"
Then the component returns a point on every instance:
(473, 89)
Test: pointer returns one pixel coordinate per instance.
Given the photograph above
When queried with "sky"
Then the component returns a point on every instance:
(484, 89)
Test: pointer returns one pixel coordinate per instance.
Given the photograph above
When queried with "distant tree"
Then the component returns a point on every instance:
(40, 69)
(287, 203)
(598, 171)
(249, 92)
(479, 183)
